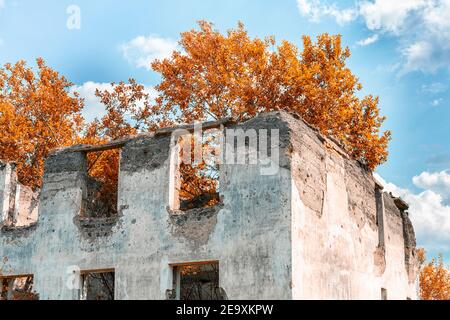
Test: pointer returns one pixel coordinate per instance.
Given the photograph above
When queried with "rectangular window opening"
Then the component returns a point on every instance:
(102, 183)
(196, 173)
(18, 288)
(97, 285)
(197, 281)
(383, 294)
(379, 202)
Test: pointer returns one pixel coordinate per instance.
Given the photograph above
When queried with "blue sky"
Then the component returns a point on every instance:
(400, 52)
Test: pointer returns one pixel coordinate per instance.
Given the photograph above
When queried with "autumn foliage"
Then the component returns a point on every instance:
(212, 76)
(125, 116)
(20, 288)
(36, 115)
(434, 278)
(215, 76)
(199, 182)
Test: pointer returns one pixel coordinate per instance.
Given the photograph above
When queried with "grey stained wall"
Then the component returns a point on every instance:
(18, 203)
(309, 231)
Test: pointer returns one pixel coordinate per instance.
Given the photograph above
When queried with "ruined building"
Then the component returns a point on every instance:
(319, 227)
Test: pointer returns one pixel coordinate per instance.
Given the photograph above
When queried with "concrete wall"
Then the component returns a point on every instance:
(248, 234)
(307, 231)
(335, 230)
(18, 203)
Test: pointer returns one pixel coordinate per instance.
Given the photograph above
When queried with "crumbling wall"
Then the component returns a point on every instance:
(248, 233)
(402, 230)
(309, 230)
(27, 210)
(336, 239)
(18, 203)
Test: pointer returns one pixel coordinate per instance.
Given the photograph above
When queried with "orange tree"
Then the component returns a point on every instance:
(217, 75)
(236, 76)
(126, 114)
(214, 75)
(36, 115)
(434, 278)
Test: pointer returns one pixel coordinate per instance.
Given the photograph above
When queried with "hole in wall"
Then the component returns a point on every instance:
(197, 281)
(383, 294)
(102, 184)
(97, 285)
(18, 288)
(197, 171)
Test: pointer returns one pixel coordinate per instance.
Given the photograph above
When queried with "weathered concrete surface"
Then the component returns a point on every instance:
(335, 236)
(308, 231)
(18, 203)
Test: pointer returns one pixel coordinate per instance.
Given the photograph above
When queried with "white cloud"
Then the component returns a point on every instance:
(388, 15)
(313, 10)
(93, 107)
(2, 4)
(142, 51)
(428, 211)
(436, 16)
(390, 187)
(342, 16)
(367, 41)
(417, 56)
(431, 219)
(436, 102)
(421, 27)
(434, 88)
(309, 9)
(438, 182)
